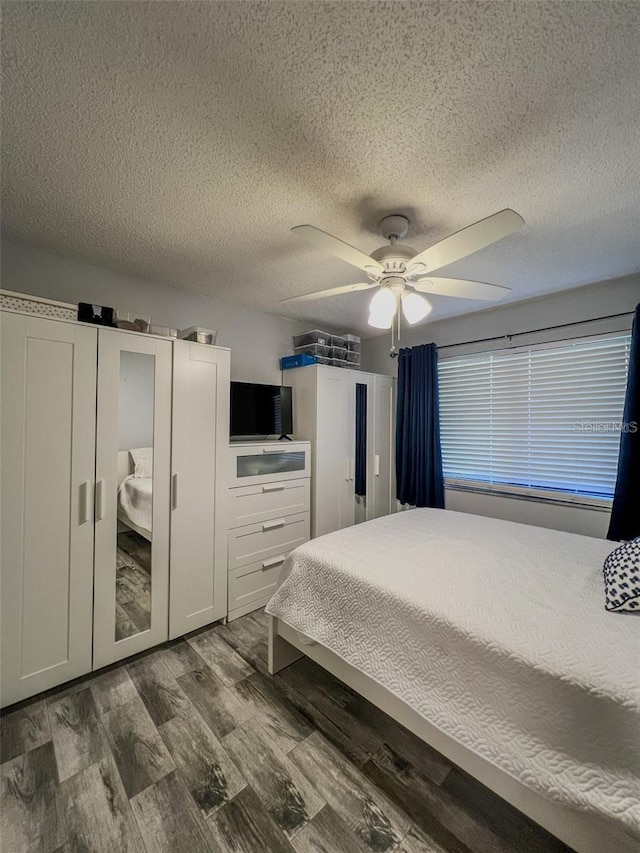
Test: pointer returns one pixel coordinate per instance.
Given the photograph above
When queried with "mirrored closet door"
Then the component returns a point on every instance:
(132, 506)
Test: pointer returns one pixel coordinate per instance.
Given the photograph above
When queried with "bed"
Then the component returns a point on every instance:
(135, 493)
(490, 641)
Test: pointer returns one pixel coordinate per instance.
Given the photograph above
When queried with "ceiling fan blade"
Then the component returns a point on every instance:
(333, 291)
(465, 242)
(337, 247)
(459, 287)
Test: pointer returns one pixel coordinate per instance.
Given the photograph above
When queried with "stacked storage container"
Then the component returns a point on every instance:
(318, 347)
(316, 343)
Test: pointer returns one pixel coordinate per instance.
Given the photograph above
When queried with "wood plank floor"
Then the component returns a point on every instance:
(193, 748)
(133, 585)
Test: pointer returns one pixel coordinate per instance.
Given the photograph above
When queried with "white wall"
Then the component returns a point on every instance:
(585, 303)
(257, 340)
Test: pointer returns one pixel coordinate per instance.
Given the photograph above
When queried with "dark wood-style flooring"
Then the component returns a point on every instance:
(133, 585)
(194, 748)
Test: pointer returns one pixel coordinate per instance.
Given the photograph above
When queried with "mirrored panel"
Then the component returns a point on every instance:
(135, 494)
(361, 453)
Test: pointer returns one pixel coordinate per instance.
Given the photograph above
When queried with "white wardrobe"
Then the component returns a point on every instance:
(114, 476)
(348, 416)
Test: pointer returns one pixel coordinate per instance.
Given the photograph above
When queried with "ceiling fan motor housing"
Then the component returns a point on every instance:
(394, 258)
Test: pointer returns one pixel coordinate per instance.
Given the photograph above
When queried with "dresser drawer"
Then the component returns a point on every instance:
(256, 542)
(250, 504)
(273, 462)
(254, 584)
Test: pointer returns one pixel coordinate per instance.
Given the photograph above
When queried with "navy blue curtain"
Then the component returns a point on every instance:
(361, 439)
(418, 455)
(625, 513)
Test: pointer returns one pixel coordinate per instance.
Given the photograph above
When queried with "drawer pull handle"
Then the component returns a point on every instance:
(279, 450)
(271, 525)
(274, 487)
(274, 561)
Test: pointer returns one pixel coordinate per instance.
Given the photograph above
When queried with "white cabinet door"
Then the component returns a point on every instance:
(132, 498)
(48, 459)
(384, 482)
(200, 479)
(334, 504)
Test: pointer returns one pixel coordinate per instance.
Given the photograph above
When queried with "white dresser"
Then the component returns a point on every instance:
(269, 516)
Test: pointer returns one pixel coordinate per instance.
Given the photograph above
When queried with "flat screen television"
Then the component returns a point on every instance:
(260, 410)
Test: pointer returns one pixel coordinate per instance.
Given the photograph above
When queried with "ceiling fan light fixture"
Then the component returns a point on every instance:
(415, 308)
(382, 309)
(380, 321)
(384, 301)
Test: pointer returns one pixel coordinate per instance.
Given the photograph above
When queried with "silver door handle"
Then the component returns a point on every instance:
(174, 492)
(99, 500)
(85, 502)
(274, 561)
(271, 525)
(376, 465)
(274, 487)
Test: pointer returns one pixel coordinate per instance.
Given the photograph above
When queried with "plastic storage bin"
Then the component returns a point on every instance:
(300, 360)
(163, 331)
(352, 343)
(315, 336)
(353, 358)
(198, 335)
(337, 341)
(314, 349)
(339, 352)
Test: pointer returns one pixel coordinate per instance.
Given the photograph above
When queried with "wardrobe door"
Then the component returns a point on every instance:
(361, 409)
(133, 450)
(48, 447)
(334, 452)
(384, 464)
(200, 479)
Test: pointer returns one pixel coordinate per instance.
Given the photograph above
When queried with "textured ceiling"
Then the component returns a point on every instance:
(181, 141)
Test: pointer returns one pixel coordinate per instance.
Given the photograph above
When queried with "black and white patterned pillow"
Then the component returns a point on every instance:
(622, 577)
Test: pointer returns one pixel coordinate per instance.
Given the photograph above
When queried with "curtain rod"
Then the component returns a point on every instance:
(535, 331)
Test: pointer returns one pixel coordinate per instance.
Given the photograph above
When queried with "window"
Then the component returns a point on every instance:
(543, 420)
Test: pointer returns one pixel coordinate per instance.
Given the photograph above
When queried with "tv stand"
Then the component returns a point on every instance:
(284, 437)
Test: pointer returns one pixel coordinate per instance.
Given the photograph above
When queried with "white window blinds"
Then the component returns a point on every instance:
(544, 419)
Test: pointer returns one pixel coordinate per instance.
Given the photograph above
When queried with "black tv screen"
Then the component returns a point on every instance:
(260, 410)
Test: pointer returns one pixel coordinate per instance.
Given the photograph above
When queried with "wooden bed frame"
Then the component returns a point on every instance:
(584, 832)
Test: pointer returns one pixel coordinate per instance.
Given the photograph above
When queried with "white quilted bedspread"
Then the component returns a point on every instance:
(135, 499)
(496, 633)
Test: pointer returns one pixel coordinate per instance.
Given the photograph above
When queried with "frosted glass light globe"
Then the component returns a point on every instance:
(415, 307)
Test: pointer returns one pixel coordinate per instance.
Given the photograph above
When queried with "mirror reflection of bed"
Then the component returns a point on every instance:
(133, 567)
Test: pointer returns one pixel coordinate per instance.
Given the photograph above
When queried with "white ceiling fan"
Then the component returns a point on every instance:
(398, 270)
